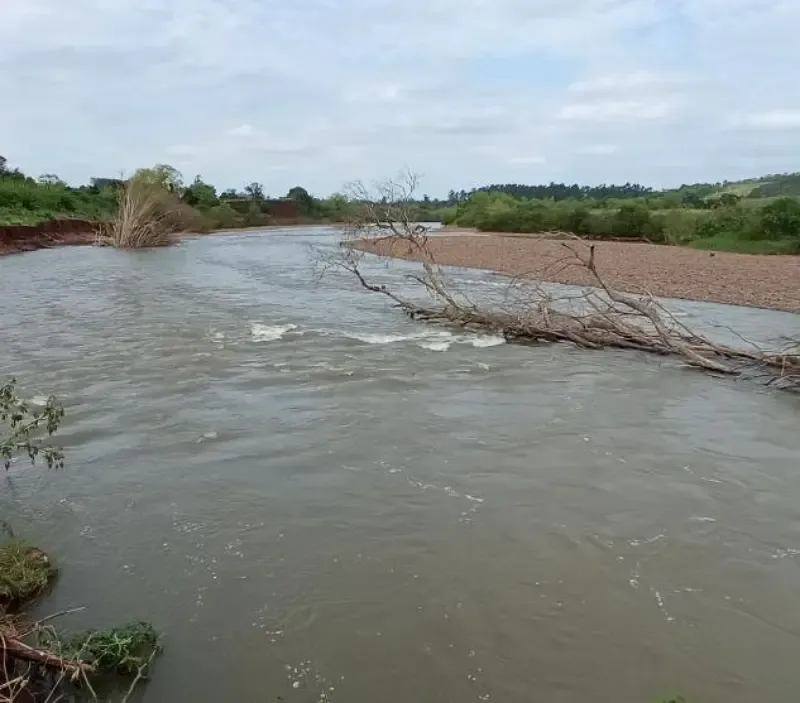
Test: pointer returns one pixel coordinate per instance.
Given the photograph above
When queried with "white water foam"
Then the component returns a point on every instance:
(435, 346)
(269, 333)
(432, 340)
(427, 335)
(487, 341)
(379, 338)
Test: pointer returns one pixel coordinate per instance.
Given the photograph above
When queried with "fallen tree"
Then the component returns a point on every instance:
(531, 312)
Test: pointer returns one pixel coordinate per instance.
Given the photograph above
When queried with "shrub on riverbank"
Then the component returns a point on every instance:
(148, 215)
(25, 572)
(142, 219)
(772, 227)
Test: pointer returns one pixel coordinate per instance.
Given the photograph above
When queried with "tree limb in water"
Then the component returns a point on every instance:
(596, 317)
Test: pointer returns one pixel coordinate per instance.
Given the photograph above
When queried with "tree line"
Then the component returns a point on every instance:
(758, 214)
(25, 200)
(757, 226)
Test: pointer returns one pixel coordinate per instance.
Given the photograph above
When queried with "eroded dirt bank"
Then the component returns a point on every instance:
(718, 277)
(15, 239)
(18, 238)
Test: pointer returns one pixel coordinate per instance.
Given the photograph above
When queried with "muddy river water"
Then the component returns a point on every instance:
(318, 500)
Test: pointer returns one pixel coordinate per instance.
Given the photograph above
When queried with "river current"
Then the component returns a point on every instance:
(317, 499)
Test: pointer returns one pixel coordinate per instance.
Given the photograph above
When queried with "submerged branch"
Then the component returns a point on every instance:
(596, 318)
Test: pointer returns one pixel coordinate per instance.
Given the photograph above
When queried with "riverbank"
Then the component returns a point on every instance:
(734, 279)
(17, 239)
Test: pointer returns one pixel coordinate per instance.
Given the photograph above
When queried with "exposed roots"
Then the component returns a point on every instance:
(596, 317)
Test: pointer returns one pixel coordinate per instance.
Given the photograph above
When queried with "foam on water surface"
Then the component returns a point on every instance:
(269, 333)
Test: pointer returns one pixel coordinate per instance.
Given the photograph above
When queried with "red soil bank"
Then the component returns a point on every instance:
(19, 238)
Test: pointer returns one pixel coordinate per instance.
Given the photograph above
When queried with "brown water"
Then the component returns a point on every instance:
(317, 499)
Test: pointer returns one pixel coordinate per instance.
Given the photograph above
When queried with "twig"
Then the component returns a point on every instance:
(41, 622)
(139, 675)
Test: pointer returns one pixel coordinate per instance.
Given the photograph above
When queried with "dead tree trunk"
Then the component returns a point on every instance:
(595, 317)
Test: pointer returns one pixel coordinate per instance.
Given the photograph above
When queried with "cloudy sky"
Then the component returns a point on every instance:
(463, 92)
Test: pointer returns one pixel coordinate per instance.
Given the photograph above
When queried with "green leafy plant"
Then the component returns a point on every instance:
(21, 428)
(122, 650)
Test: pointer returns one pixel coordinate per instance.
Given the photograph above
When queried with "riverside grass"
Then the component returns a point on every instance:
(25, 572)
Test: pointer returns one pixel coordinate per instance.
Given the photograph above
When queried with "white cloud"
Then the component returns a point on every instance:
(465, 91)
(526, 160)
(243, 130)
(770, 120)
(608, 83)
(617, 110)
(598, 149)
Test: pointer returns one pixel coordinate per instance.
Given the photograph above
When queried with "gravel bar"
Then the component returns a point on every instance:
(675, 272)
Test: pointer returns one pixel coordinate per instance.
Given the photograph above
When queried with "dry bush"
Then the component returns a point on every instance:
(594, 317)
(145, 218)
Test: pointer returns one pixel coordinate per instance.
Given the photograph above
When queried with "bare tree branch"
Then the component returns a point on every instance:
(596, 317)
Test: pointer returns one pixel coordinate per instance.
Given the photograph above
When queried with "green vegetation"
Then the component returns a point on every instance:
(25, 572)
(21, 427)
(24, 201)
(694, 216)
(756, 215)
(196, 206)
(121, 650)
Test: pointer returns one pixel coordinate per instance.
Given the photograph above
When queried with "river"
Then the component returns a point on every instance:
(319, 500)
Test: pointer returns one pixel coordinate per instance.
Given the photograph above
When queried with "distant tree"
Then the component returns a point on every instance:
(102, 183)
(562, 191)
(781, 218)
(223, 215)
(255, 191)
(51, 179)
(778, 184)
(164, 175)
(200, 194)
(7, 172)
(254, 216)
(229, 194)
(303, 199)
(338, 206)
(692, 199)
(729, 199)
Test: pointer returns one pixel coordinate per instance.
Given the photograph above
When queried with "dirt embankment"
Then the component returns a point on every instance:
(675, 272)
(15, 239)
(19, 238)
